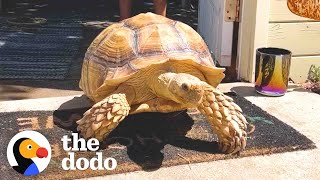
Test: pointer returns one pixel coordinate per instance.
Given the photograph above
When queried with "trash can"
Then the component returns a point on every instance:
(272, 71)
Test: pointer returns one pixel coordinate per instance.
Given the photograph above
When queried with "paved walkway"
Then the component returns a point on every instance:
(298, 108)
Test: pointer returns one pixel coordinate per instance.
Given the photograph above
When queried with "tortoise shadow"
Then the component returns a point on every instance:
(144, 135)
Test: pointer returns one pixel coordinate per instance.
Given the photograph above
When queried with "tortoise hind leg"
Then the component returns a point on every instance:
(226, 120)
(104, 116)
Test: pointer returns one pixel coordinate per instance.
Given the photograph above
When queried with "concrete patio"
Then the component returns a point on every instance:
(298, 108)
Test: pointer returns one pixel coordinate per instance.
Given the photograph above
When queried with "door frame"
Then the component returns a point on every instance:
(253, 34)
(215, 30)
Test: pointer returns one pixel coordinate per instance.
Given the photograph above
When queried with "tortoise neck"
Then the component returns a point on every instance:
(159, 84)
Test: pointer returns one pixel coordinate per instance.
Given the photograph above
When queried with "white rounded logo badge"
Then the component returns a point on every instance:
(29, 153)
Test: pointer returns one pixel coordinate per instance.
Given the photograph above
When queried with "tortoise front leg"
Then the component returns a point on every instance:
(226, 119)
(103, 117)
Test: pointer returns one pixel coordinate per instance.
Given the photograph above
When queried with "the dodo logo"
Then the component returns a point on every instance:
(29, 153)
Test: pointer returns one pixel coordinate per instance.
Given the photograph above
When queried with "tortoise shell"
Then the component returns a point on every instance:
(125, 48)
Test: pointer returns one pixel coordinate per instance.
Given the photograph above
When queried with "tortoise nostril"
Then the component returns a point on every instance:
(185, 86)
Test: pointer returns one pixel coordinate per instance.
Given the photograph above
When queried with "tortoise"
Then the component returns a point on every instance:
(150, 63)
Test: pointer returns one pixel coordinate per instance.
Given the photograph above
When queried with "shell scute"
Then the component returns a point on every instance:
(118, 46)
(126, 47)
(143, 20)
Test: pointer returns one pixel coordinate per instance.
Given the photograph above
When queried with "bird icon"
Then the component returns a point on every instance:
(24, 150)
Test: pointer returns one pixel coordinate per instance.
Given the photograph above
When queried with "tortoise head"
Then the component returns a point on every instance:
(180, 87)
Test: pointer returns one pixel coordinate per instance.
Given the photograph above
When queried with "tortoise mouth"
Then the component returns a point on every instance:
(191, 101)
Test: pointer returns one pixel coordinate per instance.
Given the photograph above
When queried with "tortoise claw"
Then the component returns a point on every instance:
(235, 146)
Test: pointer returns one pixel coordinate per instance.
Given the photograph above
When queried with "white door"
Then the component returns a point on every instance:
(215, 30)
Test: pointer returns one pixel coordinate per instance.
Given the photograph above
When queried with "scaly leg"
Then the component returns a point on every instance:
(226, 119)
(105, 115)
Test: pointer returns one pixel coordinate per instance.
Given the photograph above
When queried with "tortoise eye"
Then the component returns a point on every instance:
(29, 147)
(185, 86)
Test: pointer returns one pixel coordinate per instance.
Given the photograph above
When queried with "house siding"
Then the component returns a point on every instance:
(297, 34)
